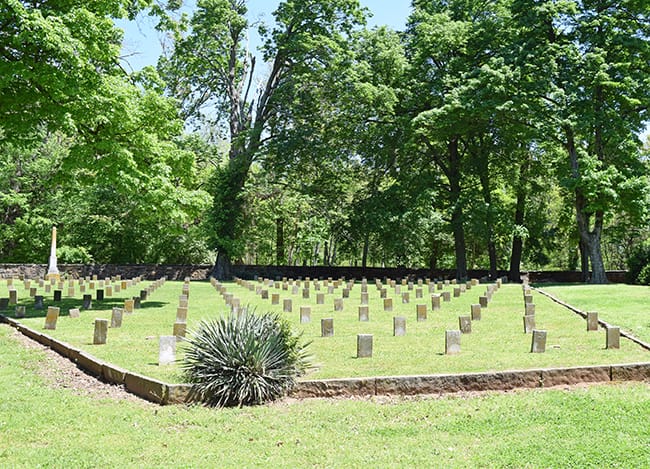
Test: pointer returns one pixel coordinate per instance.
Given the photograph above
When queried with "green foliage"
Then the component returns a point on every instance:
(245, 360)
(638, 265)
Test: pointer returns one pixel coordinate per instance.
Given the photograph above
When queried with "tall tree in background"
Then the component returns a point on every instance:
(215, 75)
(590, 63)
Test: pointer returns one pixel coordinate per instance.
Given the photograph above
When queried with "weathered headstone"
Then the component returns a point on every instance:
(364, 298)
(346, 293)
(99, 294)
(295, 290)
(613, 337)
(20, 312)
(592, 321)
(398, 290)
(529, 323)
(4, 304)
(446, 296)
(405, 298)
(144, 294)
(338, 304)
(181, 314)
(435, 302)
(128, 306)
(264, 294)
(167, 349)
(456, 292)
(418, 293)
(305, 293)
(483, 301)
(528, 298)
(57, 295)
(101, 331)
(538, 344)
(421, 312)
(383, 293)
(305, 314)
(327, 327)
(116, 317)
(87, 302)
(74, 313)
(286, 305)
(363, 313)
(452, 342)
(388, 304)
(364, 345)
(137, 304)
(465, 324)
(399, 326)
(275, 298)
(530, 309)
(38, 302)
(320, 298)
(32, 292)
(180, 329)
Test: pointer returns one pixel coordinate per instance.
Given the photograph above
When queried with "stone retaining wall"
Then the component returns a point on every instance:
(164, 393)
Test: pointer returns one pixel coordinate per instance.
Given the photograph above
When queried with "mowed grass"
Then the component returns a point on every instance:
(497, 341)
(595, 426)
(627, 306)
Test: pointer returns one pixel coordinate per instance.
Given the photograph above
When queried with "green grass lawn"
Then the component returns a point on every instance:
(595, 426)
(627, 306)
(497, 342)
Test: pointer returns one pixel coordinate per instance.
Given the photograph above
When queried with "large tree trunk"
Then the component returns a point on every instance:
(489, 225)
(457, 216)
(589, 237)
(584, 261)
(222, 269)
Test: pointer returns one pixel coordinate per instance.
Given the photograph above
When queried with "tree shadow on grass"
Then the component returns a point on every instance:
(66, 304)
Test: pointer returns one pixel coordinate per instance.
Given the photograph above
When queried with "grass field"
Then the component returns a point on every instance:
(595, 426)
(497, 342)
(627, 306)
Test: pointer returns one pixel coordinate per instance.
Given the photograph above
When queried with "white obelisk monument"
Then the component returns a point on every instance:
(53, 270)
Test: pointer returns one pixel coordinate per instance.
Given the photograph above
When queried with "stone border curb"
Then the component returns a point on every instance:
(163, 393)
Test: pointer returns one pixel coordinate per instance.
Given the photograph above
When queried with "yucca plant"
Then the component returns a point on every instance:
(243, 360)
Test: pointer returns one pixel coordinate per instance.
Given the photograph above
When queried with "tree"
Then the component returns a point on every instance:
(214, 75)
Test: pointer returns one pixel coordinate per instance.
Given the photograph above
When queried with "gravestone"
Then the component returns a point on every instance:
(275, 299)
(446, 296)
(538, 344)
(305, 314)
(465, 324)
(101, 331)
(327, 327)
(405, 298)
(388, 304)
(117, 288)
(399, 326)
(74, 313)
(452, 342)
(143, 295)
(483, 301)
(87, 302)
(4, 304)
(475, 311)
(529, 323)
(330, 290)
(136, 302)
(48, 288)
(116, 317)
(295, 289)
(180, 329)
(439, 285)
(338, 304)
(364, 298)
(530, 309)
(264, 294)
(363, 313)
(320, 298)
(346, 293)
(592, 321)
(383, 293)
(418, 293)
(181, 314)
(51, 317)
(286, 305)
(613, 338)
(166, 350)
(32, 292)
(421, 313)
(305, 293)
(364, 345)
(128, 306)
(57, 295)
(398, 290)
(463, 288)
(38, 302)
(528, 298)
(99, 294)
(435, 302)
(20, 312)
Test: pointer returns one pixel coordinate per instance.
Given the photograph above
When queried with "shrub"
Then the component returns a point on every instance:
(638, 265)
(245, 360)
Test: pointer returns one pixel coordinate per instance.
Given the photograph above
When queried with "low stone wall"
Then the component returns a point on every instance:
(146, 271)
(163, 393)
